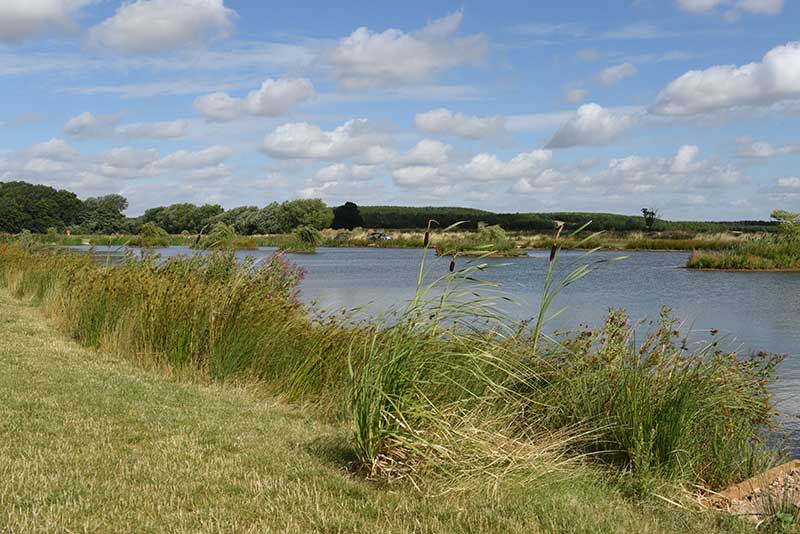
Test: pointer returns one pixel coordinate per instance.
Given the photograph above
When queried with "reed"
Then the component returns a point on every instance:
(445, 385)
(764, 254)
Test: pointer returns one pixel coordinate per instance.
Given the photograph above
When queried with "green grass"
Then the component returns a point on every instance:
(89, 442)
(767, 254)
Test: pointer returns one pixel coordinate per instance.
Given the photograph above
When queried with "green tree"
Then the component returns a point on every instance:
(103, 215)
(650, 217)
(308, 235)
(347, 216)
(788, 224)
(36, 208)
(179, 217)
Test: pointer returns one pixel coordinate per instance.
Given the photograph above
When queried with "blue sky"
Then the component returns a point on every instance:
(689, 106)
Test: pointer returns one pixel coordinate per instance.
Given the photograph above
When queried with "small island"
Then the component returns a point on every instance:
(779, 252)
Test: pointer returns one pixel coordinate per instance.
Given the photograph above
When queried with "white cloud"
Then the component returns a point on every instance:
(147, 26)
(219, 107)
(488, 168)
(184, 159)
(774, 79)
(88, 125)
(54, 149)
(129, 158)
(789, 182)
(636, 174)
(426, 152)
(733, 7)
(591, 125)
(393, 57)
(444, 121)
(357, 138)
(612, 75)
(154, 130)
(341, 172)
(21, 19)
(763, 150)
(272, 99)
(698, 6)
(417, 175)
(573, 96)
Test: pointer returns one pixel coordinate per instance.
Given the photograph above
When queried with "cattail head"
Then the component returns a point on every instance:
(427, 237)
(453, 264)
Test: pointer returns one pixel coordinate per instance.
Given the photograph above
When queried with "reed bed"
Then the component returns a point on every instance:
(446, 386)
(768, 254)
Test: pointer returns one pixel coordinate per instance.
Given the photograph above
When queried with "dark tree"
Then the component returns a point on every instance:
(103, 215)
(347, 216)
(25, 206)
(650, 217)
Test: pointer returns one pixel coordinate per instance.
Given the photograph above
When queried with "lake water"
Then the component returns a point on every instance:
(755, 311)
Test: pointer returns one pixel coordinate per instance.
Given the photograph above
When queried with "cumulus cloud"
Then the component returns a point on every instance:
(21, 19)
(774, 79)
(426, 152)
(148, 26)
(185, 159)
(591, 124)
(54, 149)
(393, 57)
(762, 150)
(443, 121)
(683, 171)
(489, 168)
(356, 139)
(612, 75)
(88, 125)
(341, 172)
(272, 99)
(58, 164)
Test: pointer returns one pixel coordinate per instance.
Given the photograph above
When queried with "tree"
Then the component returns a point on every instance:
(308, 235)
(286, 216)
(179, 217)
(36, 208)
(788, 224)
(650, 217)
(103, 215)
(347, 216)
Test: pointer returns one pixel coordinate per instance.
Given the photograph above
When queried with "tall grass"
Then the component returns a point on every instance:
(445, 385)
(756, 254)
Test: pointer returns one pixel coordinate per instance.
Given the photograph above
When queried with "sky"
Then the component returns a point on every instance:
(691, 107)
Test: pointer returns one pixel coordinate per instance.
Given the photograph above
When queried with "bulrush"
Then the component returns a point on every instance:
(427, 237)
(554, 247)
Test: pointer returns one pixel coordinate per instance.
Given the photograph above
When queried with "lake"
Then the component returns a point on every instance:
(754, 311)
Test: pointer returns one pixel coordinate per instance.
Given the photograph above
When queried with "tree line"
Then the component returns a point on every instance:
(40, 208)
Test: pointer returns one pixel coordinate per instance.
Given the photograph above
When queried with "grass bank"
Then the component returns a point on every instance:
(95, 443)
(769, 254)
(448, 393)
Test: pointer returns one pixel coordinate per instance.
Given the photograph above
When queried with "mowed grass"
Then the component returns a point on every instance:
(92, 443)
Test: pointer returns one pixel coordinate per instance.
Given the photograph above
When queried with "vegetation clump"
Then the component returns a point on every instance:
(779, 252)
(447, 388)
(223, 237)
